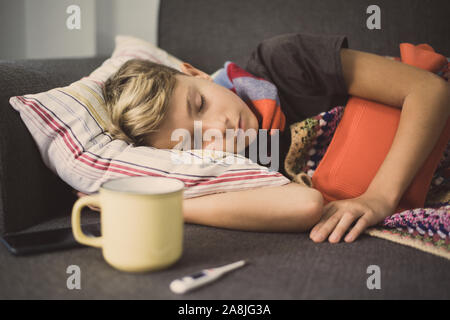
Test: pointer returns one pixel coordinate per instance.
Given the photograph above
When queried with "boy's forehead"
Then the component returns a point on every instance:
(183, 85)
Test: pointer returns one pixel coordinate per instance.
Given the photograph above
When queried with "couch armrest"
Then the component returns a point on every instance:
(30, 193)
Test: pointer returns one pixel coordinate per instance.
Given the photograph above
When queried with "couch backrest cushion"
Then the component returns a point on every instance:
(206, 33)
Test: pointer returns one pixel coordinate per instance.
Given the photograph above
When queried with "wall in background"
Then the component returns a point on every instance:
(12, 29)
(129, 17)
(33, 29)
(46, 33)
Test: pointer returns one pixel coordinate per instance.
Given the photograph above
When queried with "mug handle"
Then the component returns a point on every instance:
(76, 220)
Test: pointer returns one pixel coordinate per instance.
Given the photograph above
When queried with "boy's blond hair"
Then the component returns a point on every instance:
(137, 98)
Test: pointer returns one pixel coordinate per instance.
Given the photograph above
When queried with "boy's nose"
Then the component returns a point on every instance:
(215, 127)
(220, 123)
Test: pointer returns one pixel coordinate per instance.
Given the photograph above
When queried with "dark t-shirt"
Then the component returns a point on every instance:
(307, 71)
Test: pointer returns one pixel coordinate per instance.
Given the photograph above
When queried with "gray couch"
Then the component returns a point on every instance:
(282, 266)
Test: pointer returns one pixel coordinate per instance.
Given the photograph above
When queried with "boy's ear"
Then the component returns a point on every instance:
(192, 71)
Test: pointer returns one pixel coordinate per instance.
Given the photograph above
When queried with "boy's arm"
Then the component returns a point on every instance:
(425, 101)
(287, 208)
(291, 207)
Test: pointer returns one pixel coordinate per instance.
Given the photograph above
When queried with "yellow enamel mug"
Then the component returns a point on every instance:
(141, 222)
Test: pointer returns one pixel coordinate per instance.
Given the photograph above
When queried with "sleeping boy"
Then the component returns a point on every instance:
(309, 74)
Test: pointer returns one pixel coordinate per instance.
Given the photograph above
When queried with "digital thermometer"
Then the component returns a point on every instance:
(203, 277)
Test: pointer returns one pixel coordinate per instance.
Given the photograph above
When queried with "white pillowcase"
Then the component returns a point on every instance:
(68, 124)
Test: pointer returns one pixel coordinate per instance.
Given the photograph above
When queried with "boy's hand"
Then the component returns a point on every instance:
(366, 210)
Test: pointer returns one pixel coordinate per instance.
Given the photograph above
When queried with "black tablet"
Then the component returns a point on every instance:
(46, 241)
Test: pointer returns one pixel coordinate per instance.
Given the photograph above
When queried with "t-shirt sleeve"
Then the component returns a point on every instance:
(306, 68)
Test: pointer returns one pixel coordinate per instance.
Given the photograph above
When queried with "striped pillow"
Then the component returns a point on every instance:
(68, 124)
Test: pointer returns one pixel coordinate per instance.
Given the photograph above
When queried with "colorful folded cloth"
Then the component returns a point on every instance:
(259, 94)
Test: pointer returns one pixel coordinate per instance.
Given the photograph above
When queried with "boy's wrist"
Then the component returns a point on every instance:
(388, 196)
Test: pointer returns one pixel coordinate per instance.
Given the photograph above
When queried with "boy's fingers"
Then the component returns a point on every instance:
(94, 208)
(326, 228)
(359, 227)
(315, 229)
(341, 228)
(328, 210)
